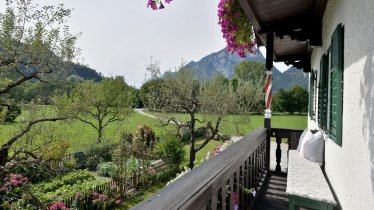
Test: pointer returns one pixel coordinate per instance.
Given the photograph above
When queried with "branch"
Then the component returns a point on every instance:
(200, 120)
(28, 128)
(207, 140)
(88, 122)
(17, 83)
(113, 119)
(214, 133)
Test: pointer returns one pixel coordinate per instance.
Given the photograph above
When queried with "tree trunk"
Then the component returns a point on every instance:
(192, 141)
(3, 155)
(192, 153)
(100, 132)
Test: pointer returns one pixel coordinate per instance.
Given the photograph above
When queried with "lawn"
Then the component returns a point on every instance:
(247, 124)
(78, 133)
(200, 155)
(133, 200)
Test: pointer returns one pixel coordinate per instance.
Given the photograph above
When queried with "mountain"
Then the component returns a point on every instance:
(223, 63)
(290, 78)
(85, 72)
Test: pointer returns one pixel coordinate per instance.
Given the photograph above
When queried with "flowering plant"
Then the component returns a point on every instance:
(157, 4)
(58, 206)
(96, 200)
(236, 28)
(15, 194)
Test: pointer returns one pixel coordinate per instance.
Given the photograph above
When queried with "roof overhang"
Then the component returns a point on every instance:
(296, 26)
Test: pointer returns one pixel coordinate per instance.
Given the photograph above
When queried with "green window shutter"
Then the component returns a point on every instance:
(311, 95)
(322, 93)
(336, 81)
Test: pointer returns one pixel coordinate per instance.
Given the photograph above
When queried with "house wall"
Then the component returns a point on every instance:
(350, 168)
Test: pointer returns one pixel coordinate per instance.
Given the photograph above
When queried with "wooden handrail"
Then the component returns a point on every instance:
(238, 166)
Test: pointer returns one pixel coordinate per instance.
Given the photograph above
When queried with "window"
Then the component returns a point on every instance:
(323, 93)
(311, 94)
(330, 88)
(336, 86)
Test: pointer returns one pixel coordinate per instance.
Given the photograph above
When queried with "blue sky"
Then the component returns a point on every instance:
(120, 36)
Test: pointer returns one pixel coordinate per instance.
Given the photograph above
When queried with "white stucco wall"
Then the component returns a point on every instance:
(350, 168)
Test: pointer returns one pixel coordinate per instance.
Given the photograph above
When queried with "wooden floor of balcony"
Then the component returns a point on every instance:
(272, 194)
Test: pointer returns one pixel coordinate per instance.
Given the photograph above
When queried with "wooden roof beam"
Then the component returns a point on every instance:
(301, 27)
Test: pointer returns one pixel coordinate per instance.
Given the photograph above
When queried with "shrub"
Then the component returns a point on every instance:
(34, 172)
(167, 174)
(107, 169)
(201, 132)
(108, 199)
(12, 113)
(170, 149)
(185, 135)
(98, 153)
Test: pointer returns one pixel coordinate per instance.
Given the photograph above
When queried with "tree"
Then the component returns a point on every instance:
(143, 145)
(249, 71)
(181, 92)
(99, 104)
(291, 101)
(150, 91)
(34, 42)
(300, 97)
(249, 83)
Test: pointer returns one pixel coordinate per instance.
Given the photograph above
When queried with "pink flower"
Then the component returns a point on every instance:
(103, 197)
(58, 206)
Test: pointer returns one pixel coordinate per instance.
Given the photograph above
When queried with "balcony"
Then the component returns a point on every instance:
(244, 165)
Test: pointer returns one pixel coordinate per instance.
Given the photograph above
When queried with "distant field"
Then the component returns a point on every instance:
(248, 124)
(80, 134)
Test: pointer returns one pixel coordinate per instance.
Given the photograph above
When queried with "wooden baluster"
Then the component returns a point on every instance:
(231, 192)
(262, 158)
(223, 194)
(257, 167)
(238, 183)
(248, 185)
(263, 155)
(253, 169)
(243, 200)
(278, 154)
(214, 199)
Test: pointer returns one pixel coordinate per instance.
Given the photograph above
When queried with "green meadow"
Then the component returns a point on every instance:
(80, 134)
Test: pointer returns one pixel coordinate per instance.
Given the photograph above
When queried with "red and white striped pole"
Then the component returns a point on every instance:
(268, 94)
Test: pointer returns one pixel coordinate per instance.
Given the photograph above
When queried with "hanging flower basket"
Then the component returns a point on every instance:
(236, 28)
(157, 4)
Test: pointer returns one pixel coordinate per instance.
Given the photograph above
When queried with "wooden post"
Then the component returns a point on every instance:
(268, 93)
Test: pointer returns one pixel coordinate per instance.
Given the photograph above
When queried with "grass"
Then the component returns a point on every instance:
(132, 201)
(248, 124)
(80, 134)
(201, 154)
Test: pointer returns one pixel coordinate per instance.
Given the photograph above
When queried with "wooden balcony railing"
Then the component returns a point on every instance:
(291, 135)
(212, 185)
